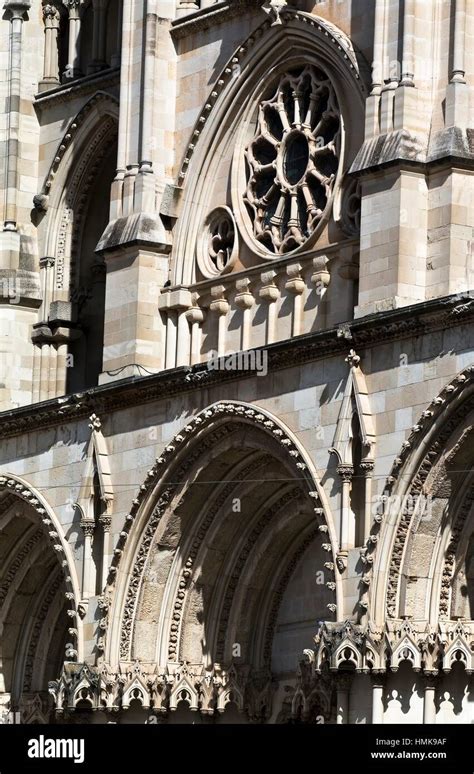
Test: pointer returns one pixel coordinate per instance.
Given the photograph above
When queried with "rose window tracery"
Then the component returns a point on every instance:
(221, 242)
(292, 159)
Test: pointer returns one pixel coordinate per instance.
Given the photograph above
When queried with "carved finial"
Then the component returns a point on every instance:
(353, 359)
(274, 7)
(94, 422)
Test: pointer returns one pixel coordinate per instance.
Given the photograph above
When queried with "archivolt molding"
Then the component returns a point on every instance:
(301, 39)
(64, 194)
(407, 481)
(325, 34)
(38, 628)
(281, 586)
(156, 494)
(210, 513)
(53, 532)
(104, 104)
(12, 573)
(258, 528)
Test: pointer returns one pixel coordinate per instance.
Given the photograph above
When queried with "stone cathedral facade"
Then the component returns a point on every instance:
(236, 361)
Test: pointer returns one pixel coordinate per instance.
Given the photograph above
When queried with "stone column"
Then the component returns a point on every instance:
(378, 682)
(171, 338)
(429, 706)
(406, 113)
(220, 306)
(61, 366)
(99, 34)
(270, 293)
(51, 19)
(367, 468)
(175, 305)
(347, 517)
(88, 567)
(116, 197)
(117, 56)
(145, 182)
(106, 522)
(343, 687)
(135, 276)
(183, 349)
(53, 368)
(321, 279)
(73, 68)
(373, 100)
(295, 285)
(244, 300)
(195, 317)
(457, 93)
(16, 12)
(459, 54)
(408, 65)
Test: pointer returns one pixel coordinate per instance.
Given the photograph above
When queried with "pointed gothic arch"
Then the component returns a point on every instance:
(39, 596)
(75, 204)
(301, 39)
(182, 525)
(428, 514)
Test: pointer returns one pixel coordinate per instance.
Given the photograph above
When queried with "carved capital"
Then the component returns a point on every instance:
(106, 522)
(17, 8)
(73, 7)
(346, 472)
(88, 527)
(51, 18)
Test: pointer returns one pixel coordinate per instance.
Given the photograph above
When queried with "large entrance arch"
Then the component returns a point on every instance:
(220, 531)
(38, 602)
(417, 638)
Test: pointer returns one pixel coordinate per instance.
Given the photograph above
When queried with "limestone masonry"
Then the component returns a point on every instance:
(236, 361)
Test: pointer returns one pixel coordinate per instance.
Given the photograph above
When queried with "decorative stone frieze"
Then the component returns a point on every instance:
(159, 690)
(367, 649)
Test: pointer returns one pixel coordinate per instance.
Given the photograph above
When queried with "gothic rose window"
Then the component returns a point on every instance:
(292, 159)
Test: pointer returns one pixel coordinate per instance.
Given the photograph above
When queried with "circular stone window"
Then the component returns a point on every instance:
(292, 160)
(217, 251)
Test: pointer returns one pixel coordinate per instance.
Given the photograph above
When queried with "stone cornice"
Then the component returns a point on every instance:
(209, 17)
(366, 332)
(101, 80)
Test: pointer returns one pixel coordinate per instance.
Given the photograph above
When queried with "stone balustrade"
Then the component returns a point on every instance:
(257, 307)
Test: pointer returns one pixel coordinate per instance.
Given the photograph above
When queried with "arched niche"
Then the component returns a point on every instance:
(77, 194)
